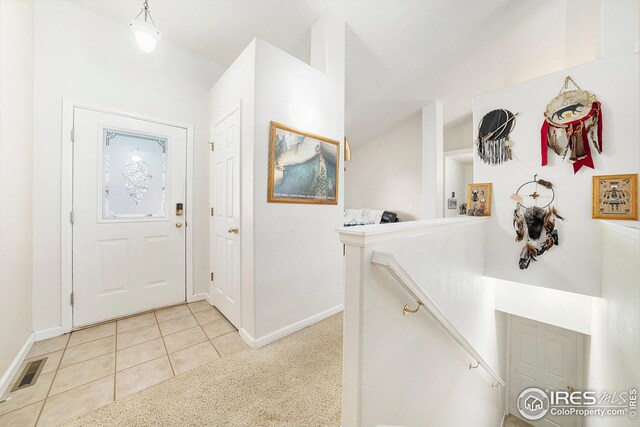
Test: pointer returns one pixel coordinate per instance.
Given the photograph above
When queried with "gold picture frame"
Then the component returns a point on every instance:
(303, 167)
(479, 199)
(615, 197)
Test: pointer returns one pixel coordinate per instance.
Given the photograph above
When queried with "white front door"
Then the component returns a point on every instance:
(225, 228)
(129, 176)
(543, 356)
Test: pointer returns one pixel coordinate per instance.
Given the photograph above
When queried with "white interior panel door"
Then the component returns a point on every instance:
(225, 199)
(128, 241)
(546, 357)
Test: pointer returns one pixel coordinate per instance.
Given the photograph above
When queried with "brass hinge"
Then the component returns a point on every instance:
(72, 298)
(73, 135)
(72, 217)
(212, 144)
(212, 276)
(212, 211)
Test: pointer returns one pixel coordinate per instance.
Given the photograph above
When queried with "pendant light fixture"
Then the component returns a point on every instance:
(145, 32)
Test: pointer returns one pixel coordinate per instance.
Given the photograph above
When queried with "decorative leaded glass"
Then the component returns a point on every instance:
(134, 175)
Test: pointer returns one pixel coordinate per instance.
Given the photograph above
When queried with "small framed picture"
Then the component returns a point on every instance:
(479, 199)
(615, 197)
(452, 202)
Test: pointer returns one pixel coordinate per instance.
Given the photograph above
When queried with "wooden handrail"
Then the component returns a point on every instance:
(389, 262)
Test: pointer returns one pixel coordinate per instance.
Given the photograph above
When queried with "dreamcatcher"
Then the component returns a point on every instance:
(534, 218)
(494, 145)
(571, 120)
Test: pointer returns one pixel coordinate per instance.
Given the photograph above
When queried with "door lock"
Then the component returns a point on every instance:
(178, 225)
(234, 230)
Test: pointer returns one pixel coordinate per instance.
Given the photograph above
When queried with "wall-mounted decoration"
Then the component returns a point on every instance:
(615, 197)
(534, 219)
(452, 202)
(347, 152)
(302, 167)
(479, 199)
(494, 145)
(573, 119)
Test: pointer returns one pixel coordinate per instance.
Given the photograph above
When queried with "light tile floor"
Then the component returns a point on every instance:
(91, 367)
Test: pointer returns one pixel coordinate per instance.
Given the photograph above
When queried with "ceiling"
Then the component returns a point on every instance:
(400, 53)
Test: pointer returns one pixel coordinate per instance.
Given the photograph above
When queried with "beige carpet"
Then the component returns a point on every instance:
(296, 381)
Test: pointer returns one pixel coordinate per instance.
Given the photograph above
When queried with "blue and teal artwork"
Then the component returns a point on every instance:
(303, 167)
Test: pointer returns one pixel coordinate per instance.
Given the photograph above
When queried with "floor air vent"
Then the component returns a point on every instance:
(29, 375)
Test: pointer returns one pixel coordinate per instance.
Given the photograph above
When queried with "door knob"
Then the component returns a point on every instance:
(178, 225)
(233, 230)
(571, 389)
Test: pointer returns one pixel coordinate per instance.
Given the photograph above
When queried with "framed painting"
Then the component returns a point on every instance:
(303, 168)
(615, 197)
(479, 199)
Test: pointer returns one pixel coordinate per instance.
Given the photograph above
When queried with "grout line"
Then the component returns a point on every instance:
(141, 342)
(165, 346)
(214, 347)
(82, 361)
(80, 385)
(22, 407)
(92, 340)
(179, 317)
(115, 364)
(55, 375)
(177, 332)
(226, 333)
(191, 345)
(137, 329)
(129, 316)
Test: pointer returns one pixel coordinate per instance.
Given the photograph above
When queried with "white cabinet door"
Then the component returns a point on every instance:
(128, 243)
(225, 228)
(546, 357)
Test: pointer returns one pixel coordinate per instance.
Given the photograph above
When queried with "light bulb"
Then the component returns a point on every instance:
(146, 35)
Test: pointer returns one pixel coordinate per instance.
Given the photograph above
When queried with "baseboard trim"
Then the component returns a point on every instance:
(209, 299)
(504, 415)
(48, 333)
(199, 297)
(11, 371)
(256, 343)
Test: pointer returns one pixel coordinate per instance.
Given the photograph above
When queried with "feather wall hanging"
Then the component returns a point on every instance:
(534, 219)
(494, 145)
(572, 120)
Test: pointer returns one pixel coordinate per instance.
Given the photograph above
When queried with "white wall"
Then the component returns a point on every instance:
(454, 181)
(459, 137)
(87, 57)
(614, 349)
(297, 254)
(290, 256)
(237, 86)
(386, 172)
(16, 142)
(614, 80)
(406, 370)
(563, 309)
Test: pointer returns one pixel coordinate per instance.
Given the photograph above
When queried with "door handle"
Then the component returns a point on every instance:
(234, 230)
(571, 389)
(178, 225)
